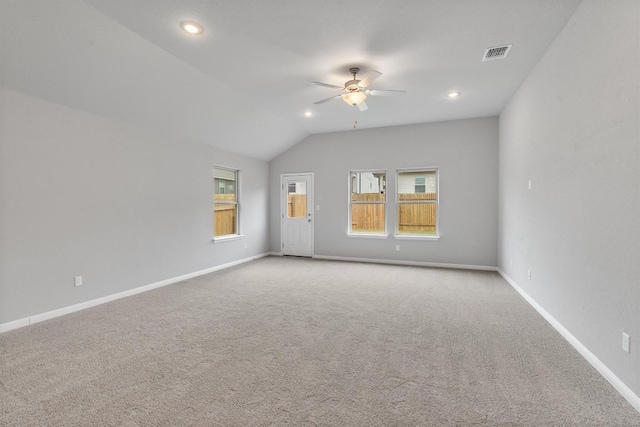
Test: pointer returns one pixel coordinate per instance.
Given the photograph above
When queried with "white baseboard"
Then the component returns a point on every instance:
(4, 327)
(616, 382)
(275, 254)
(413, 263)
(15, 324)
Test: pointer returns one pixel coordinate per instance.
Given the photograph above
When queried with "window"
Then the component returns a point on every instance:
(225, 202)
(297, 200)
(417, 199)
(367, 202)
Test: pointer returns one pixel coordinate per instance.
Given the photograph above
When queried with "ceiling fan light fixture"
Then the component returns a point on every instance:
(192, 27)
(454, 94)
(308, 114)
(354, 98)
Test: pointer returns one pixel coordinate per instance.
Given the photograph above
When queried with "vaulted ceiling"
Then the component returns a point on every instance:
(243, 85)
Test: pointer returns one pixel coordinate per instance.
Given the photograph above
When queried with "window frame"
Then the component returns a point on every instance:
(238, 234)
(369, 235)
(407, 236)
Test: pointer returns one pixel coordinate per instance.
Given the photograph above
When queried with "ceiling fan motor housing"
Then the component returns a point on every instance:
(352, 86)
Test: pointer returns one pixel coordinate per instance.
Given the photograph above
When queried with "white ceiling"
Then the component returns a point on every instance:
(243, 85)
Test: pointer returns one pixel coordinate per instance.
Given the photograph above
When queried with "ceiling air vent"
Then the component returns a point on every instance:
(497, 52)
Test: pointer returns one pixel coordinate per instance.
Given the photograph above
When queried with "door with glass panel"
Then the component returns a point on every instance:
(297, 214)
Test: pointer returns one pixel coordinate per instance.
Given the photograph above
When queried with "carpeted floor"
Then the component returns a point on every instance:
(300, 342)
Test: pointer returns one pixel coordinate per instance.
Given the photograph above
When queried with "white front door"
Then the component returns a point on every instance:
(297, 214)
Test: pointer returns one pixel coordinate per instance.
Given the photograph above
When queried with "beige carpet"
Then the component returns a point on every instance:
(299, 342)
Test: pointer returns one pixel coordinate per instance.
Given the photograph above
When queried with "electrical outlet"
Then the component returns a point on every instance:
(397, 247)
(529, 184)
(511, 262)
(529, 274)
(626, 341)
(246, 246)
(77, 281)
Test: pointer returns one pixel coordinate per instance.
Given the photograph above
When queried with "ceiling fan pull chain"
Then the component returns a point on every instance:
(355, 119)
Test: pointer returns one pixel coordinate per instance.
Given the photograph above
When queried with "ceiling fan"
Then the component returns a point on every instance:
(356, 90)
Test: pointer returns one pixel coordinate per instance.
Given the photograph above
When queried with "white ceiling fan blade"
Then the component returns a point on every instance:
(326, 85)
(328, 99)
(385, 92)
(369, 78)
(363, 106)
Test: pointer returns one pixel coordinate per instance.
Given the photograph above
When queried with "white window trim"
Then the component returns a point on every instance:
(436, 236)
(350, 233)
(238, 235)
(227, 238)
(368, 236)
(416, 237)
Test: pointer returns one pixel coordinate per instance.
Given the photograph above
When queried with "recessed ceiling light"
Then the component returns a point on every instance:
(192, 27)
(454, 94)
(308, 114)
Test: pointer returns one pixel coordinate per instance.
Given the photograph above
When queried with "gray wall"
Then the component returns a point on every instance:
(573, 129)
(466, 151)
(120, 205)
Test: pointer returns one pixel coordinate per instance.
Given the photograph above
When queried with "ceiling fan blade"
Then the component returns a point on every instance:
(369, 78)
(326, 85)
(363, 106)
(328, 99)
(374, 92)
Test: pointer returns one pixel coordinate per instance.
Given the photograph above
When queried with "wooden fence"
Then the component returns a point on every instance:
(405, 197)
(297, 206)
(224, 215)
(368, 197)
(419, 218)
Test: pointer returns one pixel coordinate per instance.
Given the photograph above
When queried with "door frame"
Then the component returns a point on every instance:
(283, 176)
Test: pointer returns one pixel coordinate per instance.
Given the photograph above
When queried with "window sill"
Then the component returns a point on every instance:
(227, 238)
(415, 237)
(368, 236)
